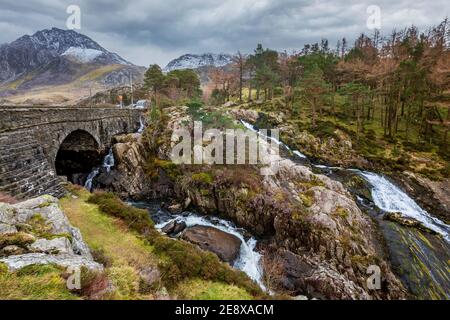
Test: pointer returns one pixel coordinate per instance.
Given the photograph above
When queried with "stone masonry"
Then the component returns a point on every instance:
(30, 138)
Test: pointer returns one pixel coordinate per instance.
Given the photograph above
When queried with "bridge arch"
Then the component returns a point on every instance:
(77, 154)
(34, 139)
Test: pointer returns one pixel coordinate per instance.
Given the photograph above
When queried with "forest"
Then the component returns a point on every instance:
(395, 88)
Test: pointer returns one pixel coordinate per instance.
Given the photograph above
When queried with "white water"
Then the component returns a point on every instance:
(90, 178)
(141, 126)
(390, 198)
(252, 128)
(108, 163)
(249, 260)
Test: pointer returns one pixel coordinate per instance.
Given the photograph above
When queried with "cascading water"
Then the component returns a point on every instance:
(141, 125)
(422, 259)
(249, 260)
(252, 128)
(387, 197)
(108, 163)
(390, 198)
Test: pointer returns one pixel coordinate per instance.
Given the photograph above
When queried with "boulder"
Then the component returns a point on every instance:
(176, 208)
(60, 251)
(15, 263)
(225, 245)
(174, 227)
(55, 246)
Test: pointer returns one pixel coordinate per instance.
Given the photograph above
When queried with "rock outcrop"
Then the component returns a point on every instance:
(37, 232)
(303, 214)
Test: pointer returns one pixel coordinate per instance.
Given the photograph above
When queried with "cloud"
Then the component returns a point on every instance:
(156, 31)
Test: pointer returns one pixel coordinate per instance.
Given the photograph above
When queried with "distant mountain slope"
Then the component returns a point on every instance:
(195, 61)
(57, 58)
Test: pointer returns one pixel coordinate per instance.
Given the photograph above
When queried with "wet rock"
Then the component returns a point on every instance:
(225, 245)
(434, 196)
(407, 222)
(174, 227)
(176, 208)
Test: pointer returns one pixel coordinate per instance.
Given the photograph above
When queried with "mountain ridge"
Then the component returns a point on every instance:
(195, 61)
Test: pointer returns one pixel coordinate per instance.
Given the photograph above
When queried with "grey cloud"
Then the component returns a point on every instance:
(148, 31)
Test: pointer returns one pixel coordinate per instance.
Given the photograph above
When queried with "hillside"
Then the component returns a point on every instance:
(72, 65)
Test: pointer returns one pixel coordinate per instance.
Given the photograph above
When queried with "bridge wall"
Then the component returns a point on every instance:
(30, 139)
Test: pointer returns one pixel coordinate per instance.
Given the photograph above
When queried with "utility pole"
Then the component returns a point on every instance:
(131, 86)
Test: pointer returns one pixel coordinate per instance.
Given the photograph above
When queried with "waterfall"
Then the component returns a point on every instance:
(141, 125)
(108, 163)
(90, 178)
(387, 196)
(249, 260)
(390, 198)
(252, 128)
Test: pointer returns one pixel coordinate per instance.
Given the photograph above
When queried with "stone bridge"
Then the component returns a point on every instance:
(40, 145)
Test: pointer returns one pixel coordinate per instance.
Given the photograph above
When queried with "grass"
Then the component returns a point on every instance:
(107, 234)
(34, 283)
(127, 248)
(198, 289)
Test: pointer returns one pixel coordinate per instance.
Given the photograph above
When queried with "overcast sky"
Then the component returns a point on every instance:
(156, 31)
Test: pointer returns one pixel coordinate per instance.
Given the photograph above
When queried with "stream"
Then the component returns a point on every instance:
(419, 258)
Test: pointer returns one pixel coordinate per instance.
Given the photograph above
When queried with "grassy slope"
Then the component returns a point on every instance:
(128, 252)
(34, 283)
(125, 254)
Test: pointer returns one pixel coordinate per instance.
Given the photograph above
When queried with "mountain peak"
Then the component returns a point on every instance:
(194, 61)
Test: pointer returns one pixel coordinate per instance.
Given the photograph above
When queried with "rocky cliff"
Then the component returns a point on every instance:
(317, 242)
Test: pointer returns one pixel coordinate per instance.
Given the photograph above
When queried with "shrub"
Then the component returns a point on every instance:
(137, 219)
(203, 177)
(185, 261)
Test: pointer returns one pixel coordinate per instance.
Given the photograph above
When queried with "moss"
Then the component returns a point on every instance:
(203, 177)
(178, 261)
(341, 212)
(3, 268)
(20, 239)
(184, 261)
(307, 198)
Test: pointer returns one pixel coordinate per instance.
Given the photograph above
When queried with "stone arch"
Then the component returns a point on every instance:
(77, 154)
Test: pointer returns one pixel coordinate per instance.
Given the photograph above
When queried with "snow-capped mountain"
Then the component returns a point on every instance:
(195, 61)
(55, 57)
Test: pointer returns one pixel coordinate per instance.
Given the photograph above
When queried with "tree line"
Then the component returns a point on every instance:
(401, 81)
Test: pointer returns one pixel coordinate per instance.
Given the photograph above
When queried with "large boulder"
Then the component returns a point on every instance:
(49, 236)
(225, 245)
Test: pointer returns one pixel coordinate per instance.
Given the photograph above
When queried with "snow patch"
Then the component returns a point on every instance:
(83, 54)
